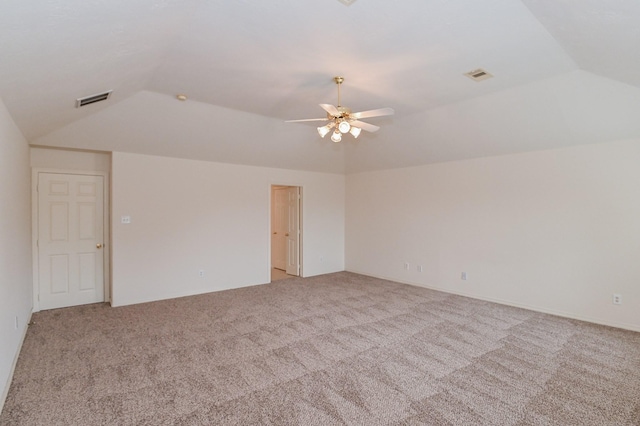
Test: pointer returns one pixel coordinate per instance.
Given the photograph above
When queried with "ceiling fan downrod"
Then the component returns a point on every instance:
(339, 81)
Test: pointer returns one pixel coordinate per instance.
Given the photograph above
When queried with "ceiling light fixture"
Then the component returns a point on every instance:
(341, 120)
(324, 130)
(181, 97)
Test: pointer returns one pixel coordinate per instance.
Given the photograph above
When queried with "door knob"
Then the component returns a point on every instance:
(99, 245)
(286, 235)
(274, 233)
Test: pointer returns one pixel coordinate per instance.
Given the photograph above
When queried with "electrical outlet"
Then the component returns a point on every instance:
(201, 273)
(463, 276)
(406, 266)
(125, 219)
(617, 299)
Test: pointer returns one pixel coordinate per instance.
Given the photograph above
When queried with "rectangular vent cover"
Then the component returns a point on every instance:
(80, 102)
(478, 75)
(347, 2)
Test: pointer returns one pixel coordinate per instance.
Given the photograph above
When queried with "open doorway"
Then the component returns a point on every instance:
(286, 235)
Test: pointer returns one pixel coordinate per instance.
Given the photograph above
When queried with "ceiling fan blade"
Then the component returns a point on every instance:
(306, 119)
(372, 113)
(330, 109)
(364, 126)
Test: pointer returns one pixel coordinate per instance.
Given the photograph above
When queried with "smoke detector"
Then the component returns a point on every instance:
(80, 102)
(347, 2)
(478, 75)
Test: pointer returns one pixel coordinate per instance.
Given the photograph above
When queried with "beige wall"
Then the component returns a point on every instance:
(188, 215)
(69, 159)
(556, 231)
(15, 244)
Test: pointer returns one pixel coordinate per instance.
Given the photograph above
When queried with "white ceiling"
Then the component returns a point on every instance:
(566, 73)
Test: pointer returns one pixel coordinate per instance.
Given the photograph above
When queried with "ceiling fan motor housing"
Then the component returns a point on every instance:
(344, 113)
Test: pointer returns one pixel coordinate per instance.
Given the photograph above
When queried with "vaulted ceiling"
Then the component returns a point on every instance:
(566, 72)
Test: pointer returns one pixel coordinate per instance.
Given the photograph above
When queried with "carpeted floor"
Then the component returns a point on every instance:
(329, 350)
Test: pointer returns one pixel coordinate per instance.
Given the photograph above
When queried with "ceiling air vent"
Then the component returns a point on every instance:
(478, 75)
(80, 102)
(347, 2)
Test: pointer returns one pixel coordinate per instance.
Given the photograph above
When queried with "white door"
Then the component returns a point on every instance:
(70, 240)
(293, 230)
(279, 229)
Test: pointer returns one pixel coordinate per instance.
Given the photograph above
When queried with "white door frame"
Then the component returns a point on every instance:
(293, 231)
(279, 259)
(300, 224)
(34, 229)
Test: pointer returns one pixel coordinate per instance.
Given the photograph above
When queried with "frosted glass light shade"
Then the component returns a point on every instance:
(355, 131)
(336, 136)
(324, 130)
(344, 126)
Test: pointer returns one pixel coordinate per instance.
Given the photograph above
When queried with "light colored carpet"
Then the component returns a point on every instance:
(329, 350)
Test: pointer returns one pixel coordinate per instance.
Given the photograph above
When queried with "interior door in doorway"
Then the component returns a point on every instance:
(279, 228)
(70, 239)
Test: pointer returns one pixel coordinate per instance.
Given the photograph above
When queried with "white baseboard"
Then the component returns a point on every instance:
(5, 392)
(616, 324)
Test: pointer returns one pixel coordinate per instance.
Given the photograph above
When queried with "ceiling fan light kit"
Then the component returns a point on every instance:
(324, 130)
(343, 121)
(344, 126)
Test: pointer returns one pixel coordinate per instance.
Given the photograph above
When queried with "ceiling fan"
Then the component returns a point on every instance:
(342, 120)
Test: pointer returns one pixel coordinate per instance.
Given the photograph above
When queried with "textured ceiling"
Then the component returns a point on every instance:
(566, 73)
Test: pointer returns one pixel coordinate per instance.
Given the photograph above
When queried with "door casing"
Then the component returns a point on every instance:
(278, 227)
(272, 186)
(35, 231)
(293, 230)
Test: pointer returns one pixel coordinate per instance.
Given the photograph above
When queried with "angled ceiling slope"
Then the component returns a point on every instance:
(600, 36)
(247, 66)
